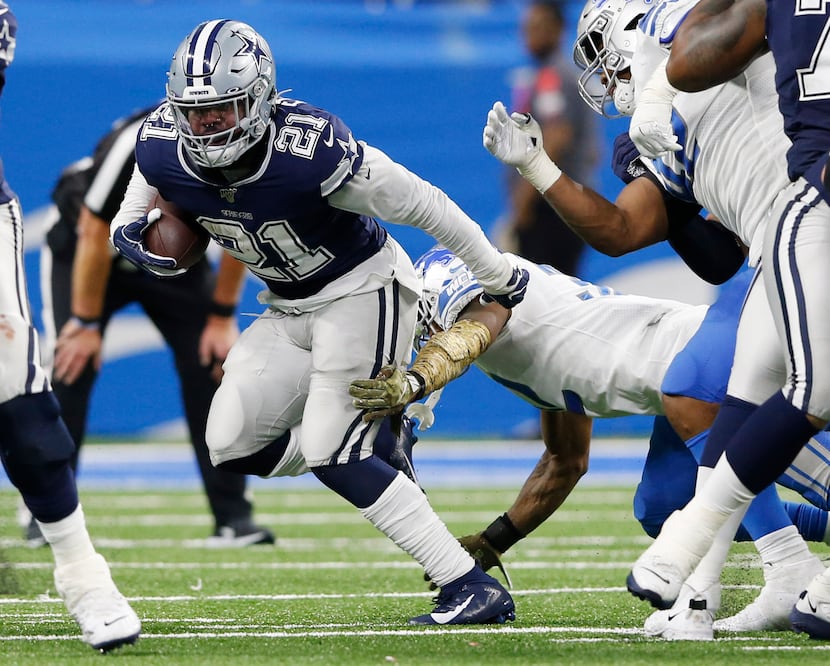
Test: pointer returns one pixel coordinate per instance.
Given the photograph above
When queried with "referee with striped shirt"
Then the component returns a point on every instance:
(84, 283)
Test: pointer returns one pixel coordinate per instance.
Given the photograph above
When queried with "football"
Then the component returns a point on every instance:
(175, 234)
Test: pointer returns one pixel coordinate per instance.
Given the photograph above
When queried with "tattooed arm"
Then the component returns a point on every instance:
(715, 42)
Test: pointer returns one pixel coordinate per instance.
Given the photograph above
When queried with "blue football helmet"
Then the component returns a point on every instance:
(222, 89)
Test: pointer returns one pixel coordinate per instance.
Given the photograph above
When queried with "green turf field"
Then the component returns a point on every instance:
(334, 591)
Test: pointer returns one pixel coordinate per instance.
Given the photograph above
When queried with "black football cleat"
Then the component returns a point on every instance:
(239, 535)
(400, 457)
(473, 603)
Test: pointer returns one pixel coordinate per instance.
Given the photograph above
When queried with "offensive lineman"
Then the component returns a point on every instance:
(715, 42)
(284, 187)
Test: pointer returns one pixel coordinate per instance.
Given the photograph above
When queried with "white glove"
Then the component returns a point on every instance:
(517, 141)
(650, 128)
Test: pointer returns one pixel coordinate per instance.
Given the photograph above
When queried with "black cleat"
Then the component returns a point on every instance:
(473, 603)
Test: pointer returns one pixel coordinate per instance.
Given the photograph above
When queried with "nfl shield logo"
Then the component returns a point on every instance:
(228, 194)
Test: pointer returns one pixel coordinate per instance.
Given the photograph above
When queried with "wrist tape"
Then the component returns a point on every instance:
(449, 353)
(502, 533)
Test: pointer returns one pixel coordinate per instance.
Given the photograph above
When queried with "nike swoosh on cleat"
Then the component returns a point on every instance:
(449, 616)
(109, 622)
(810, 604)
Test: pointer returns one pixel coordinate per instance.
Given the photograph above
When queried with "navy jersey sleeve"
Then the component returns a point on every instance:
(319, 144)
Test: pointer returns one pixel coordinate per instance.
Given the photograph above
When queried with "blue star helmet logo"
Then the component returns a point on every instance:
(252, 47)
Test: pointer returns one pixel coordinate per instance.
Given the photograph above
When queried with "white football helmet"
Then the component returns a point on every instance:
(605, 43)
(223, 67)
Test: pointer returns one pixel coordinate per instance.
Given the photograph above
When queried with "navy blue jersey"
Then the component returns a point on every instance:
(797, 36)
(8, 37)
(277, 221)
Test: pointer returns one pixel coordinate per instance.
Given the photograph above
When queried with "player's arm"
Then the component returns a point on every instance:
(221, 329)
(567, 439)
(445, 356)
(79, 341)
(386, 190)
(715, 42)
(635, 220)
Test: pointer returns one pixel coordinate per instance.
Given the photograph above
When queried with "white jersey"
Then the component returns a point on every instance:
(733, 161)
(570, 345)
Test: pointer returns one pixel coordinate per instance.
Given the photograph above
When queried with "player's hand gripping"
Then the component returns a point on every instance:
(128, 239)
(388, 393)
(514, 291)
(651, 129)
(483, 553)
(516, 140)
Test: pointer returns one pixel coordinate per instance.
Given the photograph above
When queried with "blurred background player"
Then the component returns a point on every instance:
(286, 188)
(85, 283)
(35, 447)
(548, 90)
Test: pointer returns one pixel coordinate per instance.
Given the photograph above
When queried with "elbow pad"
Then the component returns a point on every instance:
(710, 250)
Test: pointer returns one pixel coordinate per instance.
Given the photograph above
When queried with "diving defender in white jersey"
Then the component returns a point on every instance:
(35, 446)
(284, 187)
(717, 41)
(731, 164)
(579, 351)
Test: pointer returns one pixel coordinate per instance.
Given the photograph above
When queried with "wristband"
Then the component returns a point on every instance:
(221, 310)
(502, 533)
(540, 171)
(88, 323)
(416, 384)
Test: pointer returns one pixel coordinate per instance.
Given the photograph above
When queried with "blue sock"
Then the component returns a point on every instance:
(731, 416)
(360, 483)
(810, 520)
(54, 495)
(772, 436)
(766, 514)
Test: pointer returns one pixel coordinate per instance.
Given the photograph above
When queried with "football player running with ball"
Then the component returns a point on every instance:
(284, 187)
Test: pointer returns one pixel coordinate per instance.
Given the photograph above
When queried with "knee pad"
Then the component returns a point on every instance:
(32, 432)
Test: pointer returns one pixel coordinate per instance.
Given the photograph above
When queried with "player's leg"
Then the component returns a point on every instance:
(700, 371)
(36, 450)
(179, 307)
(354, 337)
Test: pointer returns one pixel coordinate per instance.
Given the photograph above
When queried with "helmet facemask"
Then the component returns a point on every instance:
(222, 92)
(603, 50)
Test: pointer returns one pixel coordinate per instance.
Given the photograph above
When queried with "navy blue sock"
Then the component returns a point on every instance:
(731, 416)
(810, 520)
(773, 436)
(360, 483)
(50, 492)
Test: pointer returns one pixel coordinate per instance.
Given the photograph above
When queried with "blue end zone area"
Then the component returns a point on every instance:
(415, 82)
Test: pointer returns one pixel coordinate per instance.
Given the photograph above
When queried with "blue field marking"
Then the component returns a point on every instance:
(440, 464)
